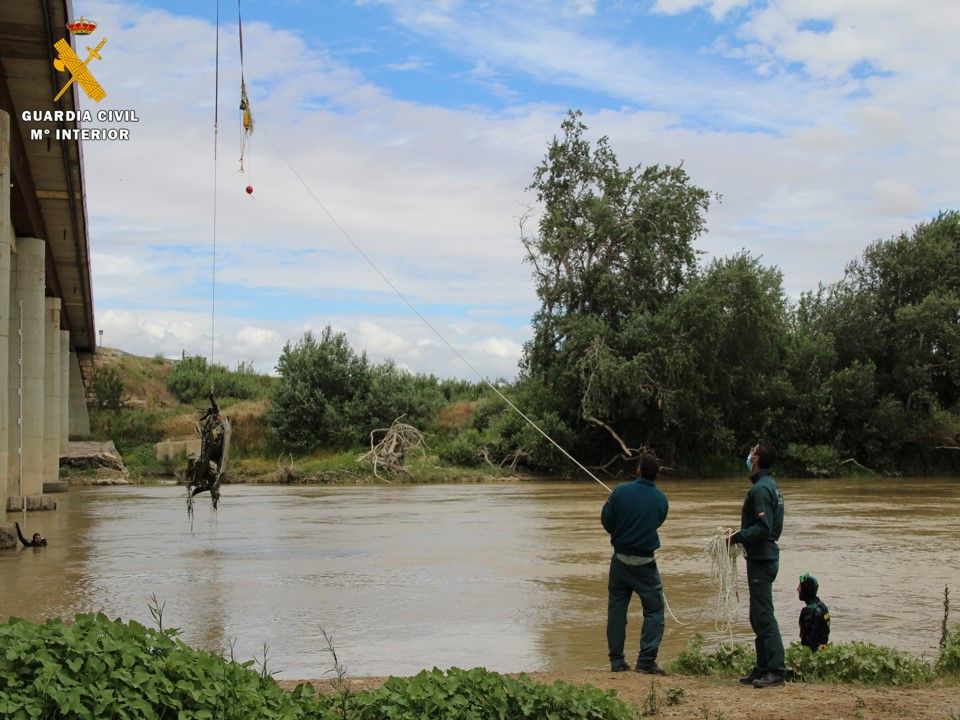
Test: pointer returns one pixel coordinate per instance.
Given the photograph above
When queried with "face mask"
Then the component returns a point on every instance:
(750, 461)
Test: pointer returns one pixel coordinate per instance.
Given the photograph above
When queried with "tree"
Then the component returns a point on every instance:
(107, 387)
(895, 321)
(613, 247)
(318, 399)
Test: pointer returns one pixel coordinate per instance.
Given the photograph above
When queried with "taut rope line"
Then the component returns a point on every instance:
(436, 332)
(426, 322)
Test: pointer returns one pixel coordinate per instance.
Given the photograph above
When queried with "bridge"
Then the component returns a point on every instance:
(46, 304)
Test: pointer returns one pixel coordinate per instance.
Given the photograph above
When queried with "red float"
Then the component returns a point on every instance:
(249, 189)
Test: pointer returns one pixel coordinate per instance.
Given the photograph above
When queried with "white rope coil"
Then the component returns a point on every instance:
(724, 576)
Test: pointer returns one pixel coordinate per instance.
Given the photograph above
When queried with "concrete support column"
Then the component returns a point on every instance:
(51, 390)
(6, 237)
(64, 389)
(79, 417)
(27, 311)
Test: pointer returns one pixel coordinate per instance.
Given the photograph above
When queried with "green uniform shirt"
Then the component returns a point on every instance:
(761, 519)
(632, 514)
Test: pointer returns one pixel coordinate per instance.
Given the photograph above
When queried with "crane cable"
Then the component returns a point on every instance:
(216, 129)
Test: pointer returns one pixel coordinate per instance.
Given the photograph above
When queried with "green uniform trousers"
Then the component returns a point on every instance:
(769, 644)
(624, 581)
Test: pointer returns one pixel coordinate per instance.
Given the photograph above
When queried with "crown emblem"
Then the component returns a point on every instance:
(81, 26)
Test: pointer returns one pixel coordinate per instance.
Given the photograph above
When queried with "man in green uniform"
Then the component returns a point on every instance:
(632, 514)
(761, 522)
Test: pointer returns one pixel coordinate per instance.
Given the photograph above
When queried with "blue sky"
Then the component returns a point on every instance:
(418, 123)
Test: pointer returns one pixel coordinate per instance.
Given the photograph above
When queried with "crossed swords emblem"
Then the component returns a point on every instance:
(67, 60)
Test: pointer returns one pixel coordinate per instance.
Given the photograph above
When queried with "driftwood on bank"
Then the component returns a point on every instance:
(629, 454)
(390, 453)
(854, 462)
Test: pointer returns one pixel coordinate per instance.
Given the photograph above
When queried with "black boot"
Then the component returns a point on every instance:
(769, 680)
(755, 674)
(619, 665)
(649, 667)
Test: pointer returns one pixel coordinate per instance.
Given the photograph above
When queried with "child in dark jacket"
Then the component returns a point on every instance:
(815, 617)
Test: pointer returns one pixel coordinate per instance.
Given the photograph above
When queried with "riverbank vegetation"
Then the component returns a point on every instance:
(636, 343)
(854, 662)
(96, 668)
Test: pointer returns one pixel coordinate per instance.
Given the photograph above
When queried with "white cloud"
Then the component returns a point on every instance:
(382, 342)
(717, 8)
(432, 194)
(893, 197)
(499, 347)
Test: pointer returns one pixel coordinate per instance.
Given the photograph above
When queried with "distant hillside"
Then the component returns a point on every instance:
(152, 411)
(144, 379)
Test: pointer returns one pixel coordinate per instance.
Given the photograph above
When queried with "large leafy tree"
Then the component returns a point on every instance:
(894, 321)
(613, 247)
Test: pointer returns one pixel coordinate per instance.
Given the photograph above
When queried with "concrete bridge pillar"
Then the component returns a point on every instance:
(6, 237)
(64, 389)
(26, 368)
(79, 417)
(51, 390)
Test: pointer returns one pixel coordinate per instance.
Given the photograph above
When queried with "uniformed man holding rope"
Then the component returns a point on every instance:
(632, 514)
(761, 522)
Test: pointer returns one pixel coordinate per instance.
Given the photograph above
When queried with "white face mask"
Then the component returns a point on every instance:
(750, 460)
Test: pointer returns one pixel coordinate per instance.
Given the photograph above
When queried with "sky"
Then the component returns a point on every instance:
(411, 129)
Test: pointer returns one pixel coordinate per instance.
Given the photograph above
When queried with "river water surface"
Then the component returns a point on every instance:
(508, 576)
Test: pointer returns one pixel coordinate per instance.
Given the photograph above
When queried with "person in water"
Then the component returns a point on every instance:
(38, 540)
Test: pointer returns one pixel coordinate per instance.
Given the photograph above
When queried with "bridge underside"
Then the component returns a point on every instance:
(46, 307)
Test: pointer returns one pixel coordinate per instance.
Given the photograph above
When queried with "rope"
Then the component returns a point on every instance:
(723, 576)
(426, 322)
(216, 129)
(436, 332)
(247, 116)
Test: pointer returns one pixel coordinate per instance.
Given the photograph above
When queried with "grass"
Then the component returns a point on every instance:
(342, 467)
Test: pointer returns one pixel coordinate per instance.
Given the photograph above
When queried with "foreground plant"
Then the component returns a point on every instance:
(100, 668)
(855, 662)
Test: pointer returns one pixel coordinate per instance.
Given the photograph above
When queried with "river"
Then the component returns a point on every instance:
(510, 576)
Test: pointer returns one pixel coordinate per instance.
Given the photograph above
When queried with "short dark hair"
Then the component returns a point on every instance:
(648, 466)
(766, 454)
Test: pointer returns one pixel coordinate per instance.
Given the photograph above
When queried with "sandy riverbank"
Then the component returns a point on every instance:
(716, 699)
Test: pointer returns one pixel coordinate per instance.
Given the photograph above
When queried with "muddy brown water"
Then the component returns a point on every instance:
(510, 576)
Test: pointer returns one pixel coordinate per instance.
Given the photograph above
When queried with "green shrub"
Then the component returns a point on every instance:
(128, 429)
(142, 462)
(329, 396)
(317, 402)
(481, 694)
(107, 388)
(192, 379)
(726, 659)
(949, 661)
(857, 662)
(97, 668)
(463, 450)
(813, 460)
